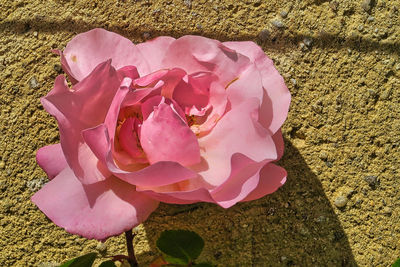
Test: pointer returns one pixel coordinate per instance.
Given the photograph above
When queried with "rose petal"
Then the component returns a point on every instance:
(276, 101)
(196, 53)
(86, 50)
(271, 178)
(237, 132)
(158, 174)
(83, 107)
(95, 211)
(195, 94)
(128, 140)
(166, 137)
(242, 180)
(51, 159)
(154, 51)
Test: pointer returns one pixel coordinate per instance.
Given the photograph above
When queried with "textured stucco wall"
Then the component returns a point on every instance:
(340, 60)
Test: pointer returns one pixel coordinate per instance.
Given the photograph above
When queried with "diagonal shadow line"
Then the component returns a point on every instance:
(279, 41)
(295, 226)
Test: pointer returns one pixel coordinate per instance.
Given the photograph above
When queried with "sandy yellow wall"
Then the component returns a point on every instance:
(341, 64)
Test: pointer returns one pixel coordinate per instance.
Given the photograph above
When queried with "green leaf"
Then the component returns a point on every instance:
(109, 263)
(82, 261)
(180, 246)
(396, 263)
(203, 264)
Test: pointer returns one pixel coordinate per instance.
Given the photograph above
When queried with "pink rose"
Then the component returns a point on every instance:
(178, 121)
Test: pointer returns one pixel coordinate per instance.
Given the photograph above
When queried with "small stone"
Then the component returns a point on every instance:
(283, 13)
(293, 81)
(323, 155)
(146, 35)
(33, 83)
(371, 180)
(101, 247)
(308, 41)
(341, 201)
(334, 5)
(283, 258)
(370, 19)
(277, 23)
(366, 5)
(188, 3)
(35, 184)
(360, 28)
(35, 34)
(264, 35)
(2, 164)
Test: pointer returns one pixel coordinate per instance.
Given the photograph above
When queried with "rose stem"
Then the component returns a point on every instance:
(131, 253)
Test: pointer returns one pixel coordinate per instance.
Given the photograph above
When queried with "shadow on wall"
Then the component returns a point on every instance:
(277, 40)
(295, 226)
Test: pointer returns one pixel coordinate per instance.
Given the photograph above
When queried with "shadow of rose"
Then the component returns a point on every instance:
(295, 226)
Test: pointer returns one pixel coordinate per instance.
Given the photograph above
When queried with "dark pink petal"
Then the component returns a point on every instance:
(86, 50)
(237, 132)
(196, 53)
(193, 96)
(271, 178)
(82, 107)
(95, 211)
(128, 71)
(154, 51)
(276, 99)
(166, 137)
(51, 159)
(128, 139)
(280, 146)
(158, 174)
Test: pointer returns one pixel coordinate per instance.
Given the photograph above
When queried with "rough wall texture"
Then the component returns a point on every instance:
(340, 60)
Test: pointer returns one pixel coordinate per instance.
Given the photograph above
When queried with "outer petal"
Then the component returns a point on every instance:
(51, 159)
(237, 132)
(196, 53)
(86, 50)
(166, 137)
(154, 51)
(242, 180)
(95, 211)
(276, 101)
(271, 178)
(83, 107)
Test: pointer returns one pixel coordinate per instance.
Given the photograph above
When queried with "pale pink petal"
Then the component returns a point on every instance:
(95, 211)
(180, 197)
(154, 51)
(158, 174)
(276, 101)
(86, 50)
(196, 53)
(51, 159)
(166, 137)
(237, 132)
(271, 178)
(82, 107)
(248, 85)
(243, 179)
